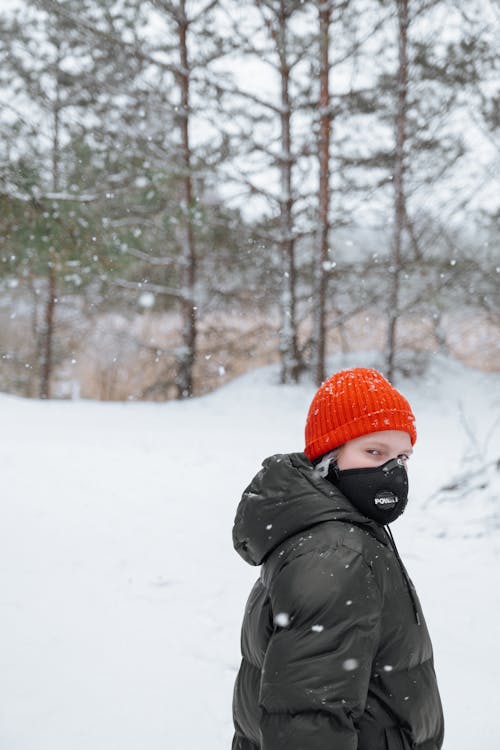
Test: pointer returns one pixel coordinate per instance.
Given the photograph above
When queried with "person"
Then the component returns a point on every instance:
(336, 654)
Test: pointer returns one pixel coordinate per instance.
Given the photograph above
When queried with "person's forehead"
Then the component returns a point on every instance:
(385, 438)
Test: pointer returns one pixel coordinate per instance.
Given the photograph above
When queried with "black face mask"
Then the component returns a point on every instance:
(381, 493)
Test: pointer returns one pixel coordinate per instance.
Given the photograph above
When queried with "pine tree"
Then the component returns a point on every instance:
(270, 147)
(165, 96)
(43, 72)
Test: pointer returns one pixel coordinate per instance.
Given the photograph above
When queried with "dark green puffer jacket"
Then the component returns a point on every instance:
(336, 653)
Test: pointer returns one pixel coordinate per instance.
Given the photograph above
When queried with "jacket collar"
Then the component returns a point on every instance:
(286, 497)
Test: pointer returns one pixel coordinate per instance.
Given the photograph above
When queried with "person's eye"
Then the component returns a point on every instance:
(373, 451)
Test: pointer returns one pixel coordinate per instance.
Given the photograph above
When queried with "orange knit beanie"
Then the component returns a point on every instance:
(352, 403)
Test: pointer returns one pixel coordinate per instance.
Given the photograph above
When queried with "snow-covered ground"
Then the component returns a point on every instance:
(121, 597)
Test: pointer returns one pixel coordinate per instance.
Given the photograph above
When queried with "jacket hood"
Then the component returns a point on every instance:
(288, 496)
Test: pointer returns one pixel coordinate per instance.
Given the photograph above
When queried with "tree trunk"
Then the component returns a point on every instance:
(46, 348)
(288, 332)
(321, 269)
(187, 352)
(399, 194)
(48, 335)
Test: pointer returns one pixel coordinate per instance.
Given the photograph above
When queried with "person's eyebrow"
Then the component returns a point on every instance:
(386, 446)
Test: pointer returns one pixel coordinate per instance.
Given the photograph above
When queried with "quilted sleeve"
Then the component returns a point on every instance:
(326, 609)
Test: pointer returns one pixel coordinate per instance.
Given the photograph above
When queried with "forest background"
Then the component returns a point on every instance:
(192, 188)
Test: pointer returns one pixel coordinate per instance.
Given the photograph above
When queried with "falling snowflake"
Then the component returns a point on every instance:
(282, 619)
(350, 664)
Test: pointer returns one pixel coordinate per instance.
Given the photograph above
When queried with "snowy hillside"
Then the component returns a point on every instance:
(121, 596)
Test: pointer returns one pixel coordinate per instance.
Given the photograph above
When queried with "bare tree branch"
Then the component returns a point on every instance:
(91, 30)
